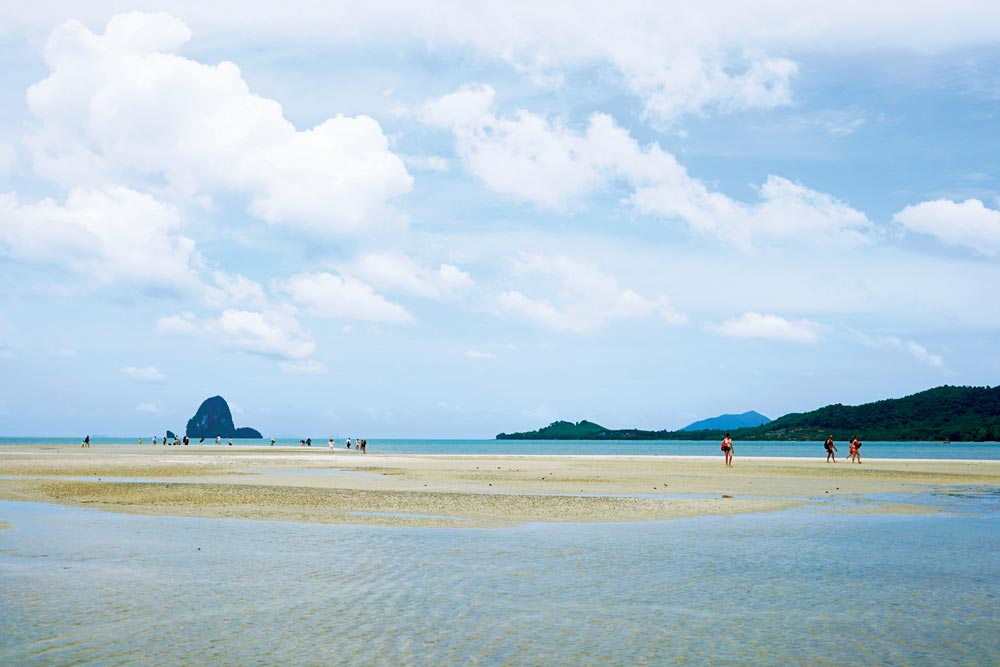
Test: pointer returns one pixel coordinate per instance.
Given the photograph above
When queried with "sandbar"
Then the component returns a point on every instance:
(318, 486)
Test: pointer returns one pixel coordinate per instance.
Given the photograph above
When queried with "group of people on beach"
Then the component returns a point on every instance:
(831, 449)
(185, 441)
(359, 444)
(854, 451)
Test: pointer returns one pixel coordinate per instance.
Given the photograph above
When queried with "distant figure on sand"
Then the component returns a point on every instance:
(855, 450)
(364, 445)
(727, 449)
(230, 441)
(86, 442)
(329, 443)
(218, 439)
(140, 441)
(309, 442)
(348, 443)
(830, 449)
(272, 442)
(154, 439)
(187, 441)
(202, 440)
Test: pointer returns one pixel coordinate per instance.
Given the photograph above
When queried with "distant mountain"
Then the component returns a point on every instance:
(942, 413)
(729, 422)
(214, 419)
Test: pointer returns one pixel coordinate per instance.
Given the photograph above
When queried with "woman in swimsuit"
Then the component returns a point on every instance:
(727, 449)
(856, 450)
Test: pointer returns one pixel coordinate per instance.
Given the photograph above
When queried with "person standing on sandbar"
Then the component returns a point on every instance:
(855, 450)
(727, 449)
(830, 450)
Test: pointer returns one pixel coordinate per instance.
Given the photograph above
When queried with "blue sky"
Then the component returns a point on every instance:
(465, 218)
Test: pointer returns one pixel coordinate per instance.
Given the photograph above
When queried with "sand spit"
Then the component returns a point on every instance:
(317, 486)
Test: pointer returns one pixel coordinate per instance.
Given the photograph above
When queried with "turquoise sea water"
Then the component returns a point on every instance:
(82, 587)
(885, 450)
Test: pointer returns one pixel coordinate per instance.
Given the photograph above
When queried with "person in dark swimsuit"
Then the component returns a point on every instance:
(727, 449)
(830, 450)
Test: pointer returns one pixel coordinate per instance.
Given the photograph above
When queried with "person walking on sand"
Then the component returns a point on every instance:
(272, 442)
(230, 441)
(218, 440)
(86, 442)
(154, 439)
(727, 449)
(855, 450)
(364, 446)
(830, 450)
(348, 443)
(330, 444)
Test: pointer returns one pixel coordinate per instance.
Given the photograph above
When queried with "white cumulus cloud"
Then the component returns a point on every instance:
(273, 333)
(112, 234)
(524, 155)
(394, 271)
(539, 161)
(124, 107)
(342, 297)
(968, 224)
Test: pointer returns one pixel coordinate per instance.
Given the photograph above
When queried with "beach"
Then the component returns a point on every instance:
(315, 485)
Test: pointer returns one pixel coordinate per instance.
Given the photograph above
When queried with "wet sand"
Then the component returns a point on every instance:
(314, 485)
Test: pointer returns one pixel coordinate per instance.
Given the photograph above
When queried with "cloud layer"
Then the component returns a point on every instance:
(546, 163)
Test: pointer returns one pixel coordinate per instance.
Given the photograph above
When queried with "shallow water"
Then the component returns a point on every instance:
(79, 586)
(885, 450)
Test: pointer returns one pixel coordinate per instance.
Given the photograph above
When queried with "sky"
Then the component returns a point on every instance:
(452, 219)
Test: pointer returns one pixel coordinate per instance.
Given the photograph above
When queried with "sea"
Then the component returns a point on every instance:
(800, 587)
(888, 450)
(816, 585)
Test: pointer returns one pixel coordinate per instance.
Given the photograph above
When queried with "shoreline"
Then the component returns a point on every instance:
(318, 450)
(462, 490)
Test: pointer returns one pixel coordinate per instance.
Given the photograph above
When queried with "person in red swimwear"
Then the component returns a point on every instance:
(727, 449)
(855, 450)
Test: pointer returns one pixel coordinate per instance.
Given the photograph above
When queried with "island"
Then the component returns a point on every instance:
(945, 413)
(214, 418)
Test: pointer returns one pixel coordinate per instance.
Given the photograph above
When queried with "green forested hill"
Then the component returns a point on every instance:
(561, 430)
(942, 413)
